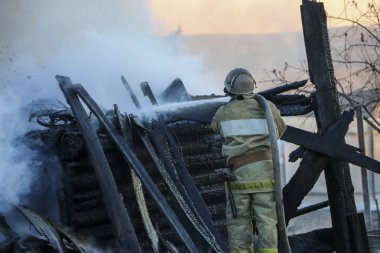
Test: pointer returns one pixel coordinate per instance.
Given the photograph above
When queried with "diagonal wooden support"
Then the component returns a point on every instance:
(302, 182)
(313, 163)
(214, 238)
(337, 173)
(332, 143)
(114, 203)
(137, 186)
(133, 161)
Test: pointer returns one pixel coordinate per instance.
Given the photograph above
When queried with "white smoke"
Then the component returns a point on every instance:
(92, 41)
(16, 172)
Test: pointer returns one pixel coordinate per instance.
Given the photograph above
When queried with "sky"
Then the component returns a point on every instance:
(232, 16)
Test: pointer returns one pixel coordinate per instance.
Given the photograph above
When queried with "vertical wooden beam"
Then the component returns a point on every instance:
(372, 175)
(367, 206)
(338, 179)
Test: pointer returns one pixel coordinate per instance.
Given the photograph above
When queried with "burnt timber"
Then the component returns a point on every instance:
(178, 160)
(348, 229)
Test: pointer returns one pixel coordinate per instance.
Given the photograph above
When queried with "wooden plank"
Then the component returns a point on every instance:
(302, 182)
(330, 147)
(114, 204)
(136, 165)
(338, 179)
(363, 170)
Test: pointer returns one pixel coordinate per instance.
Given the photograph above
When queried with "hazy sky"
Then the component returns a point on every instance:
(231, 16)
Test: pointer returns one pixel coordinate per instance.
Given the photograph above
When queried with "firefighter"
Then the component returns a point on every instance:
(247, 148)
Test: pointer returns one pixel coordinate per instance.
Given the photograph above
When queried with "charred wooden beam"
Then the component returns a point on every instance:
(59, 238)
(295, 109)
(114, 204)
(313, 163)
(316, 241)
(147, 91)
(195, 207)
(175, 92)
(368, 120)
(131, 93)
(286, 87)
(289, 105)
(302, 182)
(137, 186)
(330, 147)
(311, 208)
(9, 237)
(204, 112)
(359, 232)
(132, 159)
(291, 100)
(189, 187)
(338, 179)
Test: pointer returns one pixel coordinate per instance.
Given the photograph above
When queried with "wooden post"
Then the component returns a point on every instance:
(338, 179)
(372, 175)
(281, 145)
(367, 206)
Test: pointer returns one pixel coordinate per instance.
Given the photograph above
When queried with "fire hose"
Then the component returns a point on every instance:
(281, 226)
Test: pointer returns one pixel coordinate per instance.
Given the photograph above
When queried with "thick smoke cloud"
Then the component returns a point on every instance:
(93, 42)
(16, 173)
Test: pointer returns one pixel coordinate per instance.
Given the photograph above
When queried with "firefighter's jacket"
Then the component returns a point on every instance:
(243, 125)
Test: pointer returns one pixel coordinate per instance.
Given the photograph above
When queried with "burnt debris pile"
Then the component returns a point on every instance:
(153, 181)
(166, 164)
(168, 171)
(150, 182)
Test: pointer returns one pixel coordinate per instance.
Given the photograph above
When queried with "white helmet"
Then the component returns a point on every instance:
(239, 81)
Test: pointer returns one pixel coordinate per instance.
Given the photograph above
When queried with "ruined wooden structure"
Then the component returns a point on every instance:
(155, 183)
(176, 158)
(348, 227)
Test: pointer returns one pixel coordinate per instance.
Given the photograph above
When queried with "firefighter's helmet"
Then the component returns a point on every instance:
(239, 81)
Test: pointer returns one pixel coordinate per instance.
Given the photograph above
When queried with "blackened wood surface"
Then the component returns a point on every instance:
(138, 167)
(363, 170)
(302, 182)
(338, 179)
(114, 204)
(329, 146)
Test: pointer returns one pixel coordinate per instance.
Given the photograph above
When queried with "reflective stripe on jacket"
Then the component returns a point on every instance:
(242, 124)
